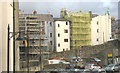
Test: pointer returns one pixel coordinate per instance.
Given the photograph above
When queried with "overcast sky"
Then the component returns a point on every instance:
(54, 7)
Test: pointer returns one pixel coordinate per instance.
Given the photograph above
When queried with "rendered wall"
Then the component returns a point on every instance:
(100, 31)
(63, 35)
(7, 18)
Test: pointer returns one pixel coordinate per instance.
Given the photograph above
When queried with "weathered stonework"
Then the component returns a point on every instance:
(99, 51)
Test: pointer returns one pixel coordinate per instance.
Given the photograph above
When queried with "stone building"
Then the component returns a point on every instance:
(115, 29)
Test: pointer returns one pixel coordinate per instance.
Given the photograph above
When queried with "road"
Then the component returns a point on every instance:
(71, 71)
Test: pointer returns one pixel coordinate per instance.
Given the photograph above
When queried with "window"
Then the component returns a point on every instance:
(65, 31)
(97, 30)
(97, 39)
(50, 34)
(66, 23)
(51, 42)
(65, 40)
(59, 45)
(97, 22)
(58, 35)
(110, 37)
(50, 23)
(58, 25)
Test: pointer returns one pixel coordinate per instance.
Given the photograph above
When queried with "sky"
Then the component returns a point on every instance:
(54, 7)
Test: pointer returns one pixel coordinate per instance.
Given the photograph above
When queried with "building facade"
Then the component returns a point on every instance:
(88, 29)
(62, 34)
(80, 28)
(100, 29)
(115, 29)
(7, 14)
(36, 27)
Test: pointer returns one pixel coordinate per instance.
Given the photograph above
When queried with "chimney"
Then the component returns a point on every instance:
(90, 12)
(35, 12)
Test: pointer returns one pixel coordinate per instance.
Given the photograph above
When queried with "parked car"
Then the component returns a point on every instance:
(95, 60)
(93, 66)
(113, 67)
(63, 62)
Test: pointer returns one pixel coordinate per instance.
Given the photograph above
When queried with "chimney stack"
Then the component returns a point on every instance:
(90, 12)
(35, 12)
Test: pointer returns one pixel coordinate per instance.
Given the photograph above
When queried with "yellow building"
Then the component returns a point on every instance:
(80, 28)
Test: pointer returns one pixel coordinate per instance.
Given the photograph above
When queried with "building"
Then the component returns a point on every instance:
(88, 29)
(115, 29)
(7, 13)
(80, 28)
(100, 29)
(38, 29)
(119, 19)
(62, 34)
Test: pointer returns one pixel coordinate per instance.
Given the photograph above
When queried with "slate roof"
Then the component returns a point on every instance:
(94, 15)
(60, 19)
(41, 17)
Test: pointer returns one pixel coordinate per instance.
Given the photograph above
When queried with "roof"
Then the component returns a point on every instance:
(93, 15)
(60, 19)
(41, 17)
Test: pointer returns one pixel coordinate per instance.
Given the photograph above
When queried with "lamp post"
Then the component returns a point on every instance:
(19, 38)
(8, 49)
(13, 37)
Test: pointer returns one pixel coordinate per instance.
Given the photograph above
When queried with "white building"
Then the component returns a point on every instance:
(7, 18)
(6, 15)
(100, 29)
(62, 34)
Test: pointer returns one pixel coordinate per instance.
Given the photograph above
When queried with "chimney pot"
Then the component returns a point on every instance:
(35, 12)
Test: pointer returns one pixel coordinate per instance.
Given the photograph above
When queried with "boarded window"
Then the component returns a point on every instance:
(65, 31)
(65, 40)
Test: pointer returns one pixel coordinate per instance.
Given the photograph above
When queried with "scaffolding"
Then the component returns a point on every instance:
(80, 28)
(38, 40)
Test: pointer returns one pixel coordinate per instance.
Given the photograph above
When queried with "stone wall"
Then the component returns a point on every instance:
(99, 51)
